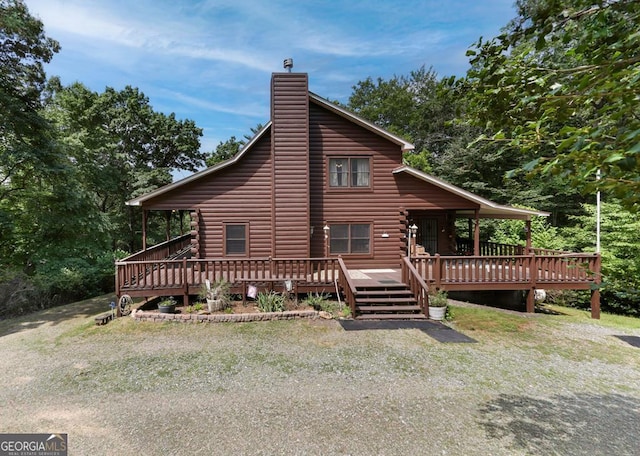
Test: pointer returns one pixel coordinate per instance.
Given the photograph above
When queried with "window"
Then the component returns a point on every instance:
(235, 239)
(354, 238)
(349, 172)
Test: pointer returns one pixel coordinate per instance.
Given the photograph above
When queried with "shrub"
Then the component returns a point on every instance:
(270, 302)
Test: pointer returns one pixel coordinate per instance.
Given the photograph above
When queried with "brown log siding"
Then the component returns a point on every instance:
(381, 205)
(240, 193)
(290, 149)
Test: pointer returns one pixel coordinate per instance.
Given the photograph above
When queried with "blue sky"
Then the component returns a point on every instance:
(211, 60)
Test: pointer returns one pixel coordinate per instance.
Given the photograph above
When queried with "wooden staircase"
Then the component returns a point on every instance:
(387, 302)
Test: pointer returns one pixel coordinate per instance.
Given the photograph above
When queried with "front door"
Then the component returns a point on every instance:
(427, 235)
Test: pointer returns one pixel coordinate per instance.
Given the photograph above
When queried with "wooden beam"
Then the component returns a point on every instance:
(476, 234)
(167, 216)
(145, 216)
(527, 229)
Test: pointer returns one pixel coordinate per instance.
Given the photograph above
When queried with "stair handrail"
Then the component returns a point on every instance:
(416, 283)
(348, 288)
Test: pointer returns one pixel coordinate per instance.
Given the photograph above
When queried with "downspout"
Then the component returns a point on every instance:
(527, 230)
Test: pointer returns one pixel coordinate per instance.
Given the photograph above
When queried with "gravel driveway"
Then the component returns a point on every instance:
(308, 387)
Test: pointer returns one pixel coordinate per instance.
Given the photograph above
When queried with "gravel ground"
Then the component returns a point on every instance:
(550, 387)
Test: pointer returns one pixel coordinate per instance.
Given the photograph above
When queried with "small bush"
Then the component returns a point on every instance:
(270, 302)
(322, 302)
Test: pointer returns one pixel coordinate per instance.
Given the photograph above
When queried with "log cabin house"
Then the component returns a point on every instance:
(320, 200)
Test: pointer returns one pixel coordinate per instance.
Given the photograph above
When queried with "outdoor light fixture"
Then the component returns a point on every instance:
(326, 229)
(413, 229)
(385, 235)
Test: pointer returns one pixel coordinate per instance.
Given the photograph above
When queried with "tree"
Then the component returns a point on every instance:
(561, 85)
(120, 148)
(27, 155)
(228, 149)
(417, 107)
(620, 233)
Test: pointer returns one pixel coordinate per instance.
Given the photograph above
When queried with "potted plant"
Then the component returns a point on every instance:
(216, 294)
(438, 302)
(167, 305)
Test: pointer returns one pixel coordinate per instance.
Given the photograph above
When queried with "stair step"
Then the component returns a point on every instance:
(406, 299)
(388, 286)
(389, 308)
(402, 292)
(391, 317)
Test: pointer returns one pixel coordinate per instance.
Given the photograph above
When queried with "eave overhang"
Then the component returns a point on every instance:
(487, 208)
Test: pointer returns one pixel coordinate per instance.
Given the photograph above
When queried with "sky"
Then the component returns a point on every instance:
(211, 60)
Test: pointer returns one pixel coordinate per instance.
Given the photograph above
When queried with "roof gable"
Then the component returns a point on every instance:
(488, 209)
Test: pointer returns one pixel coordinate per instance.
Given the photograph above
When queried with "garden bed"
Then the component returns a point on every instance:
(235, 312)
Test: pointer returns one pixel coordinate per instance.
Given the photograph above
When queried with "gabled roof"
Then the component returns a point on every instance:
(488, 209)
(406, 146)
(200, 174)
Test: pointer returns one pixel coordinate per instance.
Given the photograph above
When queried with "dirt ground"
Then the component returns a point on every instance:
(530, 385)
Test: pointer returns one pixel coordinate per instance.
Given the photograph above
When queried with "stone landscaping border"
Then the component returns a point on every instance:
(141, 315)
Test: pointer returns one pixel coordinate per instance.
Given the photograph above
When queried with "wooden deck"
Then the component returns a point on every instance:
(185, 276)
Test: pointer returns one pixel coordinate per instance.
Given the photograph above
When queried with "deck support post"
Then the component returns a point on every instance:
(533, 275)
(185, 283)
(531, 300)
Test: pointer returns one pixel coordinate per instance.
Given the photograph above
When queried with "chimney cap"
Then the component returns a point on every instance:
(288, 64)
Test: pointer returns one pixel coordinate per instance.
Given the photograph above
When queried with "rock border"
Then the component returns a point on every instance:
(141, 315)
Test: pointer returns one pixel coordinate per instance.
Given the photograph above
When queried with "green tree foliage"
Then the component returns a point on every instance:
(562, 86)
(28, 160)
(620, 249)
(24, 48)
(543, 234)
(120, 148)
(228, 149)
(224, 151)
(417, 107)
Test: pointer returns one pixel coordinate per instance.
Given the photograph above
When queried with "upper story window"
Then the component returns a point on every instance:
(349, 172)
(235, 239)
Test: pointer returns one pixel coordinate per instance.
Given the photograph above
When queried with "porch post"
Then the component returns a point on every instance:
(145, 215)
(527, 230)
(476, 234)
(167, 216)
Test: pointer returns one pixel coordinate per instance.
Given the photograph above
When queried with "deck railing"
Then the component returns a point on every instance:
(416, 283)
(465, 247)
(347, 286)
(521, 271)
(161, 251)
(186, 276)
